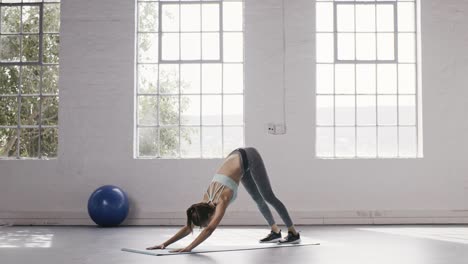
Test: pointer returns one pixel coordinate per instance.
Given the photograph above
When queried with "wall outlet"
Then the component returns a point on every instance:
(276, 128)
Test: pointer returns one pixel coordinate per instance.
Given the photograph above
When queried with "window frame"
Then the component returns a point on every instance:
(331, 153)
(40, 95)
(226, 129)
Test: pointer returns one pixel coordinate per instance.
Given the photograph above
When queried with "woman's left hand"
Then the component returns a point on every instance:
(180, 250)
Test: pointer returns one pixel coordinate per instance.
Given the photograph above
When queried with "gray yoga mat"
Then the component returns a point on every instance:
(166, 253)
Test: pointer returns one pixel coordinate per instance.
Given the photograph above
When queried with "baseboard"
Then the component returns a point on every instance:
(360, 217)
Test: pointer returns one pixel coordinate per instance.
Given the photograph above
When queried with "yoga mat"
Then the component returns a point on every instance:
(155, 252)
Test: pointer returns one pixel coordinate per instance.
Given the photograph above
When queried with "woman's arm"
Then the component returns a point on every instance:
(207, 231)
(183, 232)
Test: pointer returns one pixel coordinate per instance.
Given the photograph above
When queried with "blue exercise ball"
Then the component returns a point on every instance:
(108, 206)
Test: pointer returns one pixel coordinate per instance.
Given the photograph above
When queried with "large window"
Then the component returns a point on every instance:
(189, 88)
(29, 45)
(367, 90)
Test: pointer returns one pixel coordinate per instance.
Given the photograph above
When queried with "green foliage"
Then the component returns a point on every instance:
(164, 141)
(26, 80)
(44, 109)
(168, 141)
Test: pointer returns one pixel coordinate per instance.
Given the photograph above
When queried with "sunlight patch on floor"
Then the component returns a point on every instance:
(25, 239)
(449, 234)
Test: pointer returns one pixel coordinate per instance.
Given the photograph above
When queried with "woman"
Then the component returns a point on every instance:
(242, 165)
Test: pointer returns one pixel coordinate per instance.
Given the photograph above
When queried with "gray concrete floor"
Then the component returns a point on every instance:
(339, 244)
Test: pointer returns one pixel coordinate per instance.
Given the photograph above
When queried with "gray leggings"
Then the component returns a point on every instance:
(257, 184)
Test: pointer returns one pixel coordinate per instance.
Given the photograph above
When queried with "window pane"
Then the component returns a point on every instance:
(365, 18)
(9, 110)
(30, 110)
(148, 17)
(345, 18)
(30, 79)
(406, 19)
(233, 47)
(51, 23)
(325, 110)
(325, 47)
(346, 47)
(385, 46)
(169, 78)
(50, 108)
(51, 48)
(190, 78)
(147, 110)
(31, 19)
(210, 46)
(232, 16)
(148, 78)
(29, 142)
(170, 46)
(324, 18)
(325, 142)
(49, 142)
(210, 17)
(9, 79)
(190, 18)
(365, 46)
(407, 78)
(325, 76)
(344, 110)
(190, 143)
(8, 138)
(10, 50)
(386, 79)
(233, 138)
(169, 142)
(211, 109)
(148, 47)
(50, 75)
(30, 50)
(212, 142)
(407, 110)
(190, 49)
(366, 142)
(366, 109)
(406, 47)
(344, 78)
(385, 18)
(170, 18)
(211, 78)
(387, 141)
(169, 110)
(190, 110)
(387, 109)
(345, 141)
(148, 142)
(233, 110)
(233, 78)
(366, 78)
(10, 19)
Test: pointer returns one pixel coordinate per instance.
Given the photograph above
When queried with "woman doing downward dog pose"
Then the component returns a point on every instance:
(242, 165)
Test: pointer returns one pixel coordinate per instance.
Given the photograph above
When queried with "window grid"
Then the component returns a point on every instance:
(376, 32)
(19, 127)
(377, 94)
(179, 94)
(180, 32)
